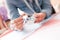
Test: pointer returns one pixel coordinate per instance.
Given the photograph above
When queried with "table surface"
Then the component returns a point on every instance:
(49, 31)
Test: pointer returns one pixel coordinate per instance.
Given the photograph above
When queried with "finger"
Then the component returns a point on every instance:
(38, 20)
(39, 15)
(35, 15)
(20, 26)
(18, 19)
(18, 23)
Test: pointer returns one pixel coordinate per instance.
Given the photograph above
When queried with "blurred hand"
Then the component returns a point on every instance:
(39, 17)
(19, 23)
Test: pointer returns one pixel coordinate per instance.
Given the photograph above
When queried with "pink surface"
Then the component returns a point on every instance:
(3, 13)
(49, 31)
(5, 33)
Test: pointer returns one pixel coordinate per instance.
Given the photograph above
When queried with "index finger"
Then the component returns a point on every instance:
(18, 19)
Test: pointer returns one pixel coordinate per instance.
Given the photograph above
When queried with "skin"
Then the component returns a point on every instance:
(1, 22)
(19, 21)
(39, 17)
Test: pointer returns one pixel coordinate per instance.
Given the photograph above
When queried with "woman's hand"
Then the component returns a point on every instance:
(39, 17)
(19, 23)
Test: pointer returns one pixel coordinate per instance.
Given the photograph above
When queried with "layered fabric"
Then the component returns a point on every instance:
(29, 7)
(3, 13)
